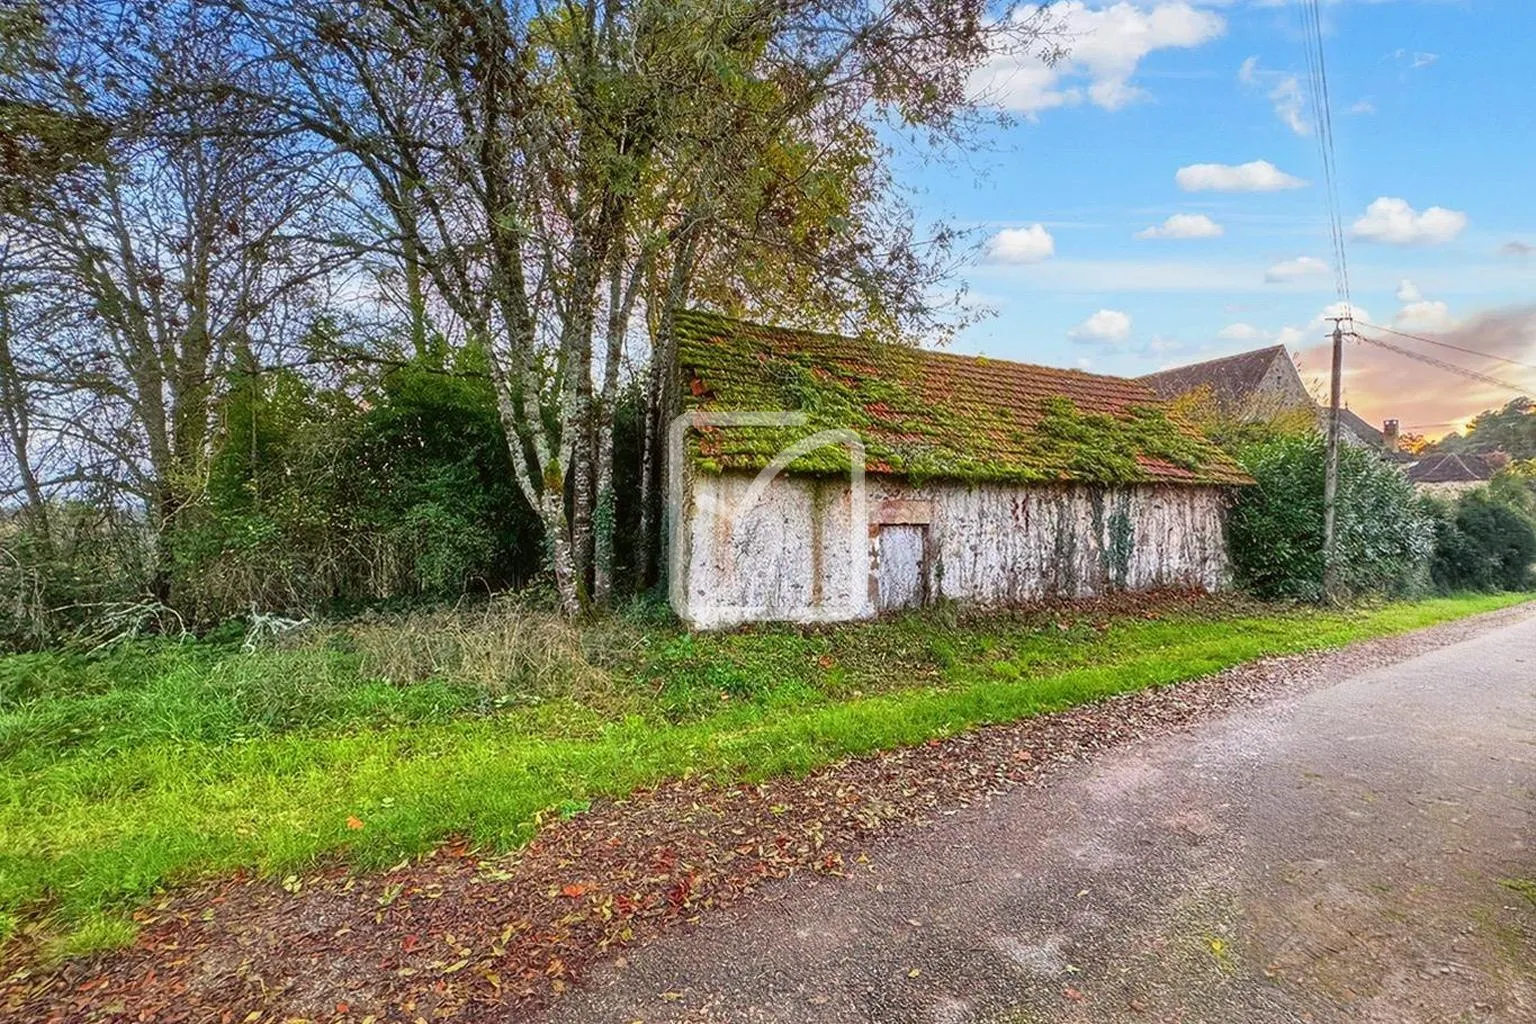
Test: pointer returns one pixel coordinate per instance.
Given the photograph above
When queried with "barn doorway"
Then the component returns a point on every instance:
(902, 566)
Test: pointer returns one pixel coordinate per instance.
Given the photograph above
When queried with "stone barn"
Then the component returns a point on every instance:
(821, 478)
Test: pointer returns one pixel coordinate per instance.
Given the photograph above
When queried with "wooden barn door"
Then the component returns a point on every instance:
(902, 567)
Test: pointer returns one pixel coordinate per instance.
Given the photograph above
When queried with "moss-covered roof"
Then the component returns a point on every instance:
(931, 415)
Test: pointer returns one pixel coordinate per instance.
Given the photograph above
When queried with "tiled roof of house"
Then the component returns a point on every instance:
(1352, 422)
(927, 414)
(1451, 468)
(1233, 379)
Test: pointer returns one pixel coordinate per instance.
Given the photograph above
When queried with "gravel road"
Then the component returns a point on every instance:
(1362, 850)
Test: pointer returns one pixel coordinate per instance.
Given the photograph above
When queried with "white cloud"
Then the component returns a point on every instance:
(1284, 93)
(1021, 245)
(1393, 221)
(1254, 176)
(1183, 225)
(1416, 59)
(1323, 322)
(1419, 313)
(1289, 336)
(1287, 98)
(1107, 44)
(1517, 249)
(1107, 325)
(1424, 315)
(1363, 107)
(1239, 332)
(1295, 270)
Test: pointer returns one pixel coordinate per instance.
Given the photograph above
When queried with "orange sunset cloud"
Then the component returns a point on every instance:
(1381, 385)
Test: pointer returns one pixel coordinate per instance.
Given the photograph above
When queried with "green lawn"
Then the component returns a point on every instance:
(146, 766)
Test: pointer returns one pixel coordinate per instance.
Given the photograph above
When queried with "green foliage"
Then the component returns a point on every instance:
(1233, 434)
(1484, 540)
(54, 583)
(1384, 537)
(1511, 430)
(155, 764)
(438, 479)
(325, 496)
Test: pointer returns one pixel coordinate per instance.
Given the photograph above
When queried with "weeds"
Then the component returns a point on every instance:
(1524, 886)
(501, 648)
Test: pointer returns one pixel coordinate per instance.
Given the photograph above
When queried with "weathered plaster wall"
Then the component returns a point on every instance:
(795, 554)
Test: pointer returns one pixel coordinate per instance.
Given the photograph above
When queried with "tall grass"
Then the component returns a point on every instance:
(501, 648)
(151, 766)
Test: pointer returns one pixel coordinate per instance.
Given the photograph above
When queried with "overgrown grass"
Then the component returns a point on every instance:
(150, 765)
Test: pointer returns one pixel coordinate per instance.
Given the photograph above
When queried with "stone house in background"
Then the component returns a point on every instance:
(1452, 473)
(1257, 385)
(1263, 385)
(917, 476)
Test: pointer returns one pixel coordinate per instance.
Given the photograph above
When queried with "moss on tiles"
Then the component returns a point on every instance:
(929, 415)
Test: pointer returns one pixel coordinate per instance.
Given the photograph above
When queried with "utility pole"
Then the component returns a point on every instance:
(1331, 475)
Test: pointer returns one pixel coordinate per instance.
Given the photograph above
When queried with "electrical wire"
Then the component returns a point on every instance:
(1446, 344)
(1322, 117)
(1443, 365)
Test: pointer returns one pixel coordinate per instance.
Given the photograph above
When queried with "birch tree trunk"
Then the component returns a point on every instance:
(662, 406)
(621, 304)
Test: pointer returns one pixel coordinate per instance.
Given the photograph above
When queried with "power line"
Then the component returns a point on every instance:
(1322, 117)
(1442, 364)
(1446, 344)
(1317, 72)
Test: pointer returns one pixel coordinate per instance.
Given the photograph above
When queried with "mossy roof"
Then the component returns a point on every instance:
(930, 415)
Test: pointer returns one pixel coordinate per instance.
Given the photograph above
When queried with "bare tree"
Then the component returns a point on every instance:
(193, 242)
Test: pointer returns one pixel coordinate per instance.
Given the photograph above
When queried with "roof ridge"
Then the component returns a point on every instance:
(917, 349)
(1271, 350)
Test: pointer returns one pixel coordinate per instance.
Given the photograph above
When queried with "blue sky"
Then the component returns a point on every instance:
(1199, 112)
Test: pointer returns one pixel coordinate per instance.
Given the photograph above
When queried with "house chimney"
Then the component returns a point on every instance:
(1389, 436)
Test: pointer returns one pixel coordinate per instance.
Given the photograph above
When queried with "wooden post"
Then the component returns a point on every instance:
(1331, 475)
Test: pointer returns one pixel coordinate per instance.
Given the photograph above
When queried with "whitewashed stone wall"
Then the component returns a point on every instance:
(797, 555)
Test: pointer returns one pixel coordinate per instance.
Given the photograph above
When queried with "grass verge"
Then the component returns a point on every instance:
(145, 769)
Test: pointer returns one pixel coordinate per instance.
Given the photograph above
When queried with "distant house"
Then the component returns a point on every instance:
(1452, 473)
(1255, 385)
(1260, 385)
(1356, 431)
(823, 478)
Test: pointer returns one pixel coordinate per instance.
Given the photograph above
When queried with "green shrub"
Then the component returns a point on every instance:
(61, 576)
(1384, 536)
(1482, 542)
